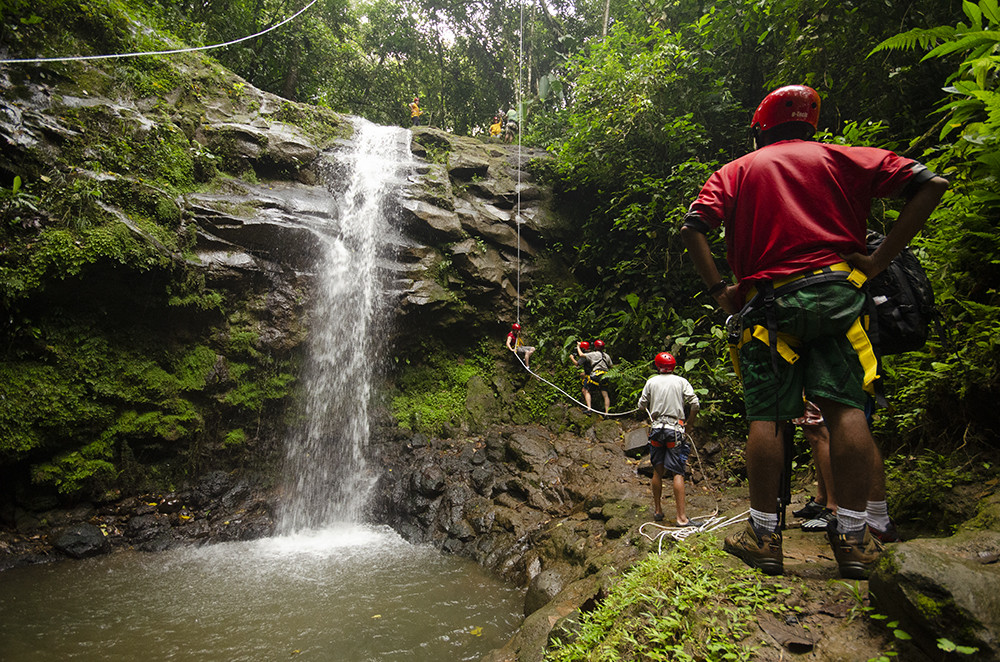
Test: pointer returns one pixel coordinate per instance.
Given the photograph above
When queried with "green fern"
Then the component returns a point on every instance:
(980, 39)
(923, 38)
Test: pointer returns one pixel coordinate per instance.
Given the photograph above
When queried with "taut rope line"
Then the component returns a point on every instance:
(582, 404)
(77, 58)
(520, 120)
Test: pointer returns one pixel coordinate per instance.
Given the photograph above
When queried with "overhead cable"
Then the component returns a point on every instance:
(77, 58)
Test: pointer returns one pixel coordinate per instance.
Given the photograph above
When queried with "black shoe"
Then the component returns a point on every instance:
(820, 522)
(812, 509)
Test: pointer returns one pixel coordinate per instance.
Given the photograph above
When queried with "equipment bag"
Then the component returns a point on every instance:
(902, 300)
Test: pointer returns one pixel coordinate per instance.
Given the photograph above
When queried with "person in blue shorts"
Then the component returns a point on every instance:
(671, 404)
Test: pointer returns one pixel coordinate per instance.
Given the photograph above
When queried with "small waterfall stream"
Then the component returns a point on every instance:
(327, 481)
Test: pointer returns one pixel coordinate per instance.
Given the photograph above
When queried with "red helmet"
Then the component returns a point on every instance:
(599, 344)
(584, 345)
(792, 103)
(515, 327)
(665, 362)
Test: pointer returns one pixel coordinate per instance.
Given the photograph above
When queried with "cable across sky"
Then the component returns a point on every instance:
(75, 58)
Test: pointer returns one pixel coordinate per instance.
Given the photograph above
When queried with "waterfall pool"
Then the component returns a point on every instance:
(345, 593)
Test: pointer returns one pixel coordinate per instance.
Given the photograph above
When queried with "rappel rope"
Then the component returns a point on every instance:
(76, 58)
(520, 121)
(582, 404)
(678, 533)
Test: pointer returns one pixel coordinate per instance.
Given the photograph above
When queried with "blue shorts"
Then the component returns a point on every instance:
(669, 449)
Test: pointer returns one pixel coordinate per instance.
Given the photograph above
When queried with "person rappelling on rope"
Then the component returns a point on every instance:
(514, 344)
(671, 404)
(415, 111)
(795, 217)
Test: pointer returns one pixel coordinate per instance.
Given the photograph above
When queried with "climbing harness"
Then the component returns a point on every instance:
(76, 58)
(783, 345)
(708, 524)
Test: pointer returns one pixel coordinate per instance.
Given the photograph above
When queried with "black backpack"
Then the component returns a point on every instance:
(902, 300)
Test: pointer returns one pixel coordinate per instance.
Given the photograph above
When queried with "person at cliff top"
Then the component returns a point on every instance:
(415, 111)
(597, 362)
(819, 512)
(671, 403)
(515, 345)
(795, 216)
(496, 128)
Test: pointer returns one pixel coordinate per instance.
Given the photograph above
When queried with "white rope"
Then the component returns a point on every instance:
(520, 121)
(711, 523)
(76, 58)
(582, 404)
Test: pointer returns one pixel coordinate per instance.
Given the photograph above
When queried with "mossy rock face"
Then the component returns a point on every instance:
(171, 362)
(940, 588)
(987, 517)
(480, 401)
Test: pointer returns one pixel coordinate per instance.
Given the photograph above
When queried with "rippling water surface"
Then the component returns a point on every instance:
(353, 593)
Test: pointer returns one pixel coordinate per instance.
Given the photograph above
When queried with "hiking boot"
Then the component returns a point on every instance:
(812, 509)
(891, 534)
(758, 548)
(856, 552)
(821, 522)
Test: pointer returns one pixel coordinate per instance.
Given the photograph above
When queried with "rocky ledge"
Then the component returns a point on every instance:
(219, 508)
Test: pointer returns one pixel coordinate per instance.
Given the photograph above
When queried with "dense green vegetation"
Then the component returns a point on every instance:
(660, 104)
(684, 604)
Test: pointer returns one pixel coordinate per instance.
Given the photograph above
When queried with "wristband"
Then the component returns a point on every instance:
(718, 287)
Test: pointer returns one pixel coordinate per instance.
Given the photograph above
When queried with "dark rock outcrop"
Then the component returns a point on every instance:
(946, 588)
(477, 219)
(80, 541)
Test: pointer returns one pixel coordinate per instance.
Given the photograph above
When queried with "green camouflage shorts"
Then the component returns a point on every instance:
(818, 317)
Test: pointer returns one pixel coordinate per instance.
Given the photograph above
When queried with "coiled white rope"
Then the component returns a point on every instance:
(77, 58)
(678, 533)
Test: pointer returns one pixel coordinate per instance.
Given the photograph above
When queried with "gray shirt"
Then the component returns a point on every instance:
(664, 397)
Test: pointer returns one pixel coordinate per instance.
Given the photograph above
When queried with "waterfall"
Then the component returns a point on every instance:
(327, 480)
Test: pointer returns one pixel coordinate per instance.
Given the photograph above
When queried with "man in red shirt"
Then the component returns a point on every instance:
(795, 208)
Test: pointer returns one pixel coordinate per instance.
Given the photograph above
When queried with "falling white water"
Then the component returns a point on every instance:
(327, 480)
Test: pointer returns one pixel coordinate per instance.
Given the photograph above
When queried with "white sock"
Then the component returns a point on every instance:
(850, 521)
(877, 515)
(766, 521)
